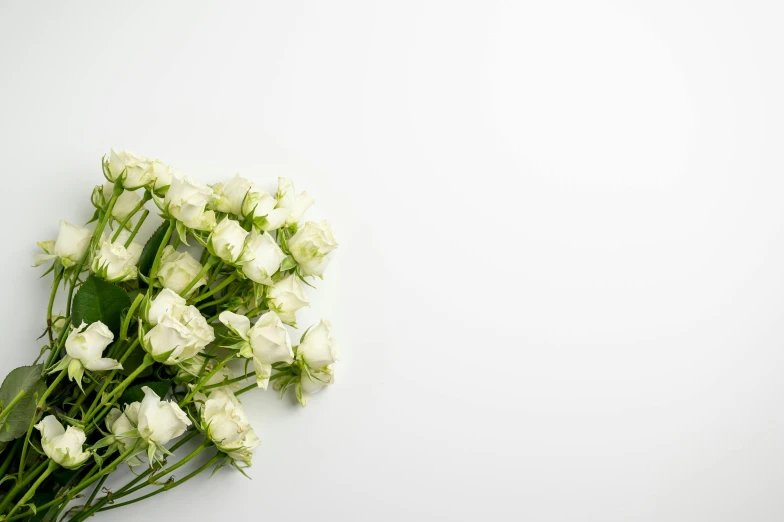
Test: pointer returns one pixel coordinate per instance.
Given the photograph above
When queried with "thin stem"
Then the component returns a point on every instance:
(196, 279)
(230, 381)
(58, 276)
(167, 487)
(136, 228)
(127, 321)
(222, 285)
(27, 496)
(157, 262)
(203, 381)
(60, 342)
(7, 410)
(95, 491)
(20, 484)
(153, 479)
(246, 389)
(106, 401)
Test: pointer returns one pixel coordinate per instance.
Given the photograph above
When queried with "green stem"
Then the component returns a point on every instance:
(27, 496)
(129, 316)
(7, 410)
(153, 479)
(230, 381)
(215, 272)
(246, 389)
(106, 401)
(95, 491)
(173, 485)
(221, 286)
(60, 342)
(20, 484)
(58, 276)
(136, 228)
(157, 262)
(206, 379)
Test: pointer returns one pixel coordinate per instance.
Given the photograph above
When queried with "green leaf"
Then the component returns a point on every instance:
(287, 264)
(135, 393)
(27, 378)
(151, 249)
(99, 300)
(39, 499)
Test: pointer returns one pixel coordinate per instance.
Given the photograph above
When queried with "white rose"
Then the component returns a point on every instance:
(64, 446)
(125, 202)
(317, 348)
(161, 174)
(71, 244)
(295, 203)
(122, 424)
(178, 269)
(230, 195)
(114, 262)
(186, 201)
(286, 297)
(179, 332)
(268, 341)
(227, 240)
(85, 346)
(262, 205)
(160, 421)
(226, 424)
(263, 258)
(136, 168)
(311, 247)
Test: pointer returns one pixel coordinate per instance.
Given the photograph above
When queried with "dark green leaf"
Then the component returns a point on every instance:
(133, 362)
(99, 300)
(39, 499)
(135, 393)
(26, 378)
(151, 249)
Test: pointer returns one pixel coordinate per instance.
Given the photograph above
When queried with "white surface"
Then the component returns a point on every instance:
(559, 291)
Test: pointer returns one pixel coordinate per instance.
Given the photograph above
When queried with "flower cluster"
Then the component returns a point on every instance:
(148, 351)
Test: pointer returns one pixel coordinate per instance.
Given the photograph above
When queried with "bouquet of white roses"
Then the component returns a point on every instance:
(144, 351)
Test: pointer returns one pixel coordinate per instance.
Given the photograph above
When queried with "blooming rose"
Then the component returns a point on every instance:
(85, 346)
(160, 421)
(186, 201)
(64, 446)
(286, 297)
(267, 342)
(179, 331)
(71, 245)
(114, 262)
(262, 205)
(263, 258)
(230, 195)
(227, 240)
(125, 202)
(295, 203)
(136, 169)
(311, 247)
(226, 424)
(178, 269)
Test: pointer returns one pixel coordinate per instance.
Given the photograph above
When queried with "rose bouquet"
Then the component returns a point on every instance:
(140, 363)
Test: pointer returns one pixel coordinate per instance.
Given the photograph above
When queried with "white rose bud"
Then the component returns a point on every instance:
(227, 425)
(161, 174)
(317, 348)
(316, 381)
(85, 346)
(125, 202)
(160, 421)
(262, 205)
(186, 201)
(122, 424)
(227, 240)
(286, 297)
(264, 258)
(114, 262)
(295, 203)
(64, 446)
(312, 246)
(135, 169)
(230, 195)
(71, 245)
(178, 269)
(268, 341)
(179, 331)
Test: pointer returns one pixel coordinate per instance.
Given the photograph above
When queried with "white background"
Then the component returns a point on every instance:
(559, 290)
